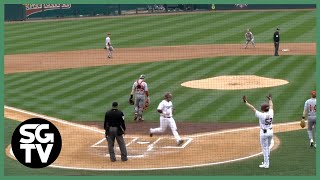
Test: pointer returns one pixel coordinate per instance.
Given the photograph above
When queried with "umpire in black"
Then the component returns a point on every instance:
(115, 128)
(276, 40)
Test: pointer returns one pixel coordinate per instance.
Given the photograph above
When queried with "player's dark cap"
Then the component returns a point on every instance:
(115, 104)
(278, 29)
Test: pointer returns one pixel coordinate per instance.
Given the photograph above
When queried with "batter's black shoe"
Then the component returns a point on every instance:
(311, 144)
(135, 117)
(180, 142)
(150, 133)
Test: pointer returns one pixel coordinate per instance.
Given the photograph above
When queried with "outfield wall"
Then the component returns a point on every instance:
(16, 12)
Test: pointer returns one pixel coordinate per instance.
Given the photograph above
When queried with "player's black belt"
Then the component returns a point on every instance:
(167, 116)
(265, 130)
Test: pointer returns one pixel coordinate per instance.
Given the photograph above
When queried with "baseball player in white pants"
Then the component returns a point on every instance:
(249, 38)
(165, 109)
(266, 133)
(310, 108)
(108, 46)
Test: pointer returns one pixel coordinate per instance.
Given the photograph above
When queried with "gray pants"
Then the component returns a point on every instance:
(113, 134)
(139, 104)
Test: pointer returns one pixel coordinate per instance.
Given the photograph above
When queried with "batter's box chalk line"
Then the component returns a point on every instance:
(98, 144)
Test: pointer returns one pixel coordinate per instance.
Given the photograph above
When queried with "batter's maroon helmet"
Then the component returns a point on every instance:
(265, 107)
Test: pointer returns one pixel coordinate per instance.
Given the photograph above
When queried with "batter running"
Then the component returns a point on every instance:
(266, 133)
(166, 109)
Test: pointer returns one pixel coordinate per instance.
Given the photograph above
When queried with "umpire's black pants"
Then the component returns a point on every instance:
(114, 134)
(276, 48)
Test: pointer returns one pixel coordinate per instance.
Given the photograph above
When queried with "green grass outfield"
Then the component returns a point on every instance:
(181, 29)
(84, 94)
(293, 158)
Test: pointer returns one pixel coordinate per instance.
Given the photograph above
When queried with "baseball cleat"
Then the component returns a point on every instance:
(135, 117)
(150, 133)
(263, 166)
(180, 142)
(311, 143)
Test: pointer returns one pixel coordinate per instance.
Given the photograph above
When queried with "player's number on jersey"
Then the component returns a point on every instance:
(313, 109)
(268, 121)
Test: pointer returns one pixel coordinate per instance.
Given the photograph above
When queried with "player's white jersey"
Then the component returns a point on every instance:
(108, 42)
(265, 119)
(166, 108)
(311, 106)
(140, 87)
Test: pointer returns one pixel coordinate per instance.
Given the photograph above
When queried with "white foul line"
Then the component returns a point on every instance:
(145, 169)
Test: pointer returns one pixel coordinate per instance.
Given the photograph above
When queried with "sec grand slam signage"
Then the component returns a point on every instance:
(36, 8)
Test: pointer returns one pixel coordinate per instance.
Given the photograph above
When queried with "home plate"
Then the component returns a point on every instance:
(285, 50)
(143, 142)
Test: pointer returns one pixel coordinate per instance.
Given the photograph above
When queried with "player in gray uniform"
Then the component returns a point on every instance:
(249, 38)
(310, 108)
(141, 93)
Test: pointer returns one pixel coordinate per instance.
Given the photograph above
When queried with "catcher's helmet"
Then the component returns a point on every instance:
(265, 107)
(313, 94)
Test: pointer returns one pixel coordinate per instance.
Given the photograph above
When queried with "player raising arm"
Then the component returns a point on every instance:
(266, 133)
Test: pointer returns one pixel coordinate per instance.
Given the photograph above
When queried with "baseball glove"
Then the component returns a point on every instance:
(244, 98)
(131, 102)
(269, 97)
(302, 123)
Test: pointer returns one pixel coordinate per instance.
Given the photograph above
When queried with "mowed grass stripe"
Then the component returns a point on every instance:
(229, 107)
(193, 97)
(209, 32)
(175, 29)
(255, 26)
(73, 33)
(226, 99)
(300, 89)
(224, 31)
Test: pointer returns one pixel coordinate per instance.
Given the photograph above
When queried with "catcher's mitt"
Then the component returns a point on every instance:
(302, 123)
(244, 98)
(131, 102)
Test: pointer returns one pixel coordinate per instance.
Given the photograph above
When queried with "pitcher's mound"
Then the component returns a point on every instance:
(234, 82)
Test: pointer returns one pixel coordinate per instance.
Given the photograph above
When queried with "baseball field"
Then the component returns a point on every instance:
(58, 70)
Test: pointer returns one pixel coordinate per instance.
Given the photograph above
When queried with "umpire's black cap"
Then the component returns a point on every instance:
(115, 104)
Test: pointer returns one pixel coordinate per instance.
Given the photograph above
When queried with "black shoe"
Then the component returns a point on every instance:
(113, 160)
(180, 142)
(135, 117)
(150, 133)
(124, 159)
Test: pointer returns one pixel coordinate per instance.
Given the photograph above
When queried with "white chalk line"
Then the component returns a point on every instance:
(144, 169)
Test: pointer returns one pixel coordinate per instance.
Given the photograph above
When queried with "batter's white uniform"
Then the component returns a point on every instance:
(166, 120)
(266, 133)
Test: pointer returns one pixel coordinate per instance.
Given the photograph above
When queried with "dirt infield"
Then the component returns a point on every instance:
(233, 82)
(98, 57)
(84, 147)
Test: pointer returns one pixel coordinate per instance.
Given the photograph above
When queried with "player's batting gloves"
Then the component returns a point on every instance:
(244, 98)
